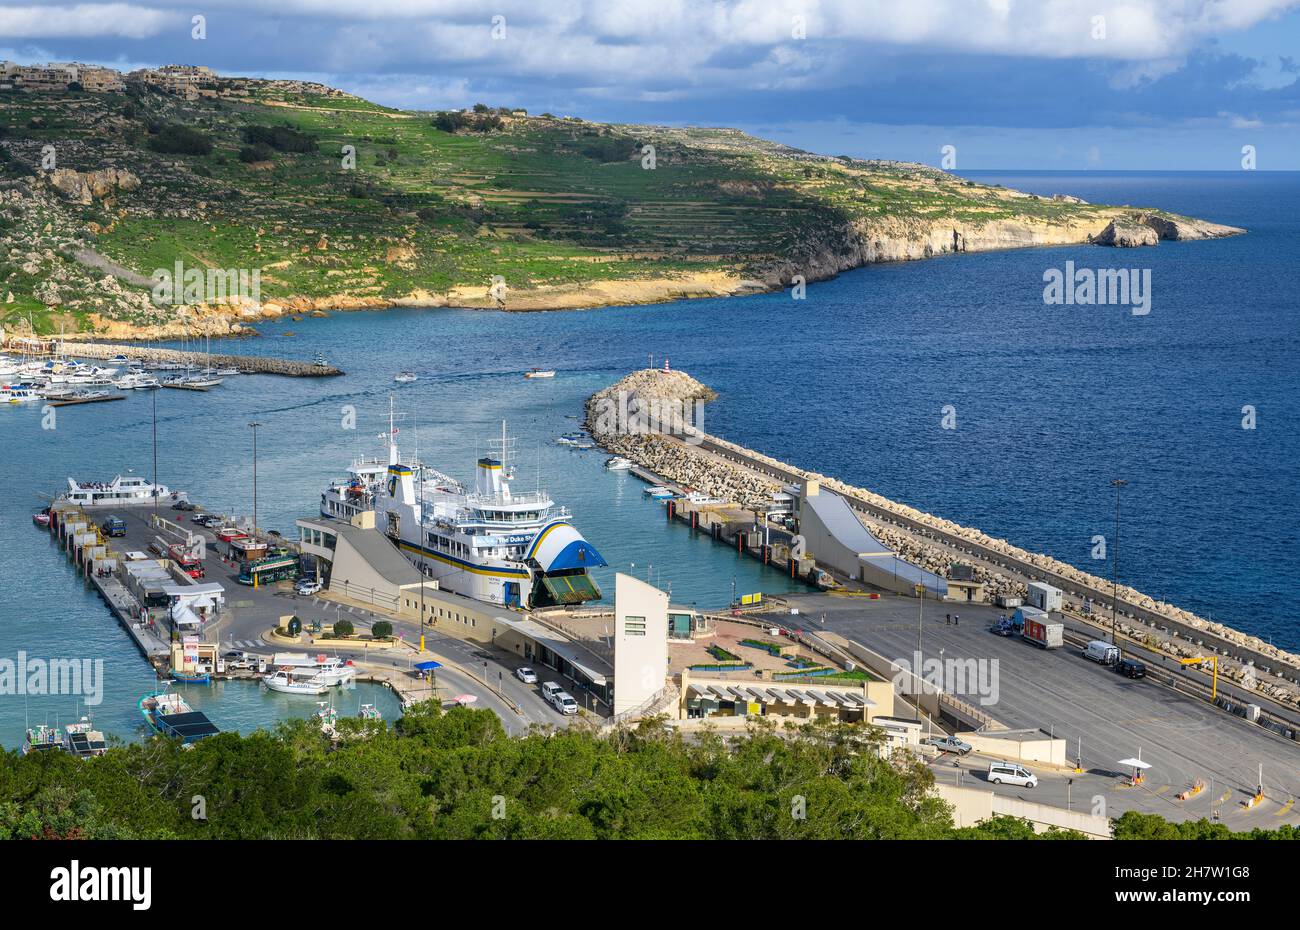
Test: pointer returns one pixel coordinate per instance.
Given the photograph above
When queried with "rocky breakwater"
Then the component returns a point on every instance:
(675, 458)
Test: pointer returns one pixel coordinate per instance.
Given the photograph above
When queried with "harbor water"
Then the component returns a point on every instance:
(1050, 403)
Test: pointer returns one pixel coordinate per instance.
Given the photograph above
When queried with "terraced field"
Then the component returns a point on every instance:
(338, 202)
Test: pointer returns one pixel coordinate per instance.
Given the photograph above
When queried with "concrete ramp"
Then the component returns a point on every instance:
(837, 538)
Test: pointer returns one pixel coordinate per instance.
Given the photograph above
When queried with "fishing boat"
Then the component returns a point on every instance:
(658, 492)
(405, 377)
(191, 678)
(370, 712)
(42, 738)
(540, 373)
(618, 463)
(488, 542)
(167, 714)
(584, 445)
(42, 517)
(328, 719)
(83, 740)
(288, 681)
(330, 669)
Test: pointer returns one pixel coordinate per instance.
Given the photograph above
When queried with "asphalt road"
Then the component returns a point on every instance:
(1102, 715)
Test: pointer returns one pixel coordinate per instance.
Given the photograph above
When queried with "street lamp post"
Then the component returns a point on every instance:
(254, 425)
(154, 394)
(1117, 484)
(916, 672)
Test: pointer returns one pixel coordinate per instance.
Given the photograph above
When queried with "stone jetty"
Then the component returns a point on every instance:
(257, 364)
(701, 462)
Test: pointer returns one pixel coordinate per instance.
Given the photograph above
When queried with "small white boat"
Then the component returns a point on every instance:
(540, 373)
(405, 377)
(658, 492)
(584, 444)
(618, 463)
(566, 441)
(18, 393)
(286, 682)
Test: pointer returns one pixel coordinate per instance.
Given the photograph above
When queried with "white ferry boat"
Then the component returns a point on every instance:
(122, 491)
(487, 542)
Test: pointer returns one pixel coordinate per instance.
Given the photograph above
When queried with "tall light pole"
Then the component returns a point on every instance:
(154, 393)
(1117, 484)
(916, 672)
(254, 425)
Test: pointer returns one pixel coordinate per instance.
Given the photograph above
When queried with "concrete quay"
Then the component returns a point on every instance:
(695, 459)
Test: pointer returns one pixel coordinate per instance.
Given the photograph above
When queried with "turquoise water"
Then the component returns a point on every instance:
(1051, 403)
(205, 448)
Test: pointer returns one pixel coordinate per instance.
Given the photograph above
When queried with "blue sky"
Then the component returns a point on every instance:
(1037, 84)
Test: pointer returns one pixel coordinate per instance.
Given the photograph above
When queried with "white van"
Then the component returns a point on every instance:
(1011, 774)
(549, 690)
(1101, 651)
(565, 703)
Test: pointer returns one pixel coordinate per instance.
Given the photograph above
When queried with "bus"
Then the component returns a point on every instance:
(114, 526)
(265, 571)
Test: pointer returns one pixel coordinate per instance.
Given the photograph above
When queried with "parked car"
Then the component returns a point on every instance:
(234, 654)
(1003, 627)
(948, 744)
(182, 505)
(1131, 668)
(307, 586)
(565, 703)
(526, 675)
(1011, 774)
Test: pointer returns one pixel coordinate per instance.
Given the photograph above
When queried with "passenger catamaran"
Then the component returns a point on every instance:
(489, 542)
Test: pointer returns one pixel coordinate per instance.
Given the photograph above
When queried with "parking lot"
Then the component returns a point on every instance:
(1103, 716)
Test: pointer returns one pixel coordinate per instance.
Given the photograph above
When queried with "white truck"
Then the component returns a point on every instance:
(1102, 652)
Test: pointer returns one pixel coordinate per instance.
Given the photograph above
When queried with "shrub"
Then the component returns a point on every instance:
(259, 151)
(294, 626)
(382, 629)
(281, 138)
(343, 628)
(175, 139)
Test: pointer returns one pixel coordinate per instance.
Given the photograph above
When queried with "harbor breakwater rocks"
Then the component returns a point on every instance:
(252, 364)
(701, 462)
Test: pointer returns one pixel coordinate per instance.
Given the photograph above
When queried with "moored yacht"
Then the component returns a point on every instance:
(124, 490)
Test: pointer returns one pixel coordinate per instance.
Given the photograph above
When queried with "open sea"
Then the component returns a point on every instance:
(1050, 403)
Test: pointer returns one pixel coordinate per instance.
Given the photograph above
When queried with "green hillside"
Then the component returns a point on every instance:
(435, 203)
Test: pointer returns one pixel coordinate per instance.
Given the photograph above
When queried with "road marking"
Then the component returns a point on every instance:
(1285, 807)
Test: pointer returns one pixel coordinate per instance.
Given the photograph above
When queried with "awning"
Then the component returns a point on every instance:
(427, 666)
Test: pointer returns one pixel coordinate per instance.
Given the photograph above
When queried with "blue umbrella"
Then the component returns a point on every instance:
(427, 666)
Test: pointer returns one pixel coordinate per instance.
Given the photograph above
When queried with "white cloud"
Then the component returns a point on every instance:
(1134, 29)
(83, 20)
